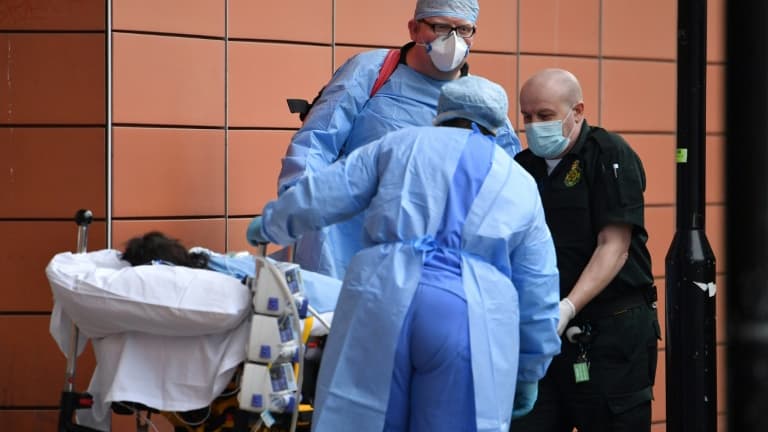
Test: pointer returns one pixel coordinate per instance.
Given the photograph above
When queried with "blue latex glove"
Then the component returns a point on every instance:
(255, 233)
(525, 396)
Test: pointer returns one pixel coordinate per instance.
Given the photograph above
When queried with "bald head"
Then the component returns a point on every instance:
(555, 85)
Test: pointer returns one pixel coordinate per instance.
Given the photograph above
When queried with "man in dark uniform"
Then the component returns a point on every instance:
(591, 183)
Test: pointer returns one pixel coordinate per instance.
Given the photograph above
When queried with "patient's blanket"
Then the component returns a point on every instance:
(168, 337)
(165, 336)
(105, 295)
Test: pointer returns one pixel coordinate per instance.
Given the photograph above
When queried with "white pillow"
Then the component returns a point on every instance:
(104, 295)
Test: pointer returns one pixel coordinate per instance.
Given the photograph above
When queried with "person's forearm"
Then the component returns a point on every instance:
(605, 264)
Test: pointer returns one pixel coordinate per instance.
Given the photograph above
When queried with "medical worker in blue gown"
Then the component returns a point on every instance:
(346, 117)
(447, 317)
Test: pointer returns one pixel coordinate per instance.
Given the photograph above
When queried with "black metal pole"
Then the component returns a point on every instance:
(690, 264)
(747, 213)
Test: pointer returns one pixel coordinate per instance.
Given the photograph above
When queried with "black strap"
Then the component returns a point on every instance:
(302, 106)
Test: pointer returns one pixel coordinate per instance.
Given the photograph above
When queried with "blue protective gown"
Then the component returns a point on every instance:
(505, 256)
(345, 118)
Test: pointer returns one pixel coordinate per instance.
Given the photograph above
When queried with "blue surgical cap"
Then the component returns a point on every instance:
(462, 9)
(473, 98)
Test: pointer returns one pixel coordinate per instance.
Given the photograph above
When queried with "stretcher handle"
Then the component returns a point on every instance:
(83, 218)
(70, 399)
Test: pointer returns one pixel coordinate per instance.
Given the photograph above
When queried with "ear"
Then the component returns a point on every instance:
(579, 109)
(413, 28)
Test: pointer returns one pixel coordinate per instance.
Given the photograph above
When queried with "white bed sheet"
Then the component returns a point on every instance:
(167, 337)
(105, 295)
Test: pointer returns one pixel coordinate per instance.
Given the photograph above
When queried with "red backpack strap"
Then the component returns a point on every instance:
(390, 64)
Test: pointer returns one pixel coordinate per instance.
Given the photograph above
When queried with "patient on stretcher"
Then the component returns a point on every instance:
(155, 246)
(167, 332)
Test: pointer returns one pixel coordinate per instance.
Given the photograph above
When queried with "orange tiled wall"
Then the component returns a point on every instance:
(182, 128)
(52, 159)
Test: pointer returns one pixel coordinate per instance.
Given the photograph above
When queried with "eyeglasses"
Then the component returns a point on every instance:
(442, 29)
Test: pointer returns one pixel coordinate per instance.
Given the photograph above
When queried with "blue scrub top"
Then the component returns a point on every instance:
(346, 118)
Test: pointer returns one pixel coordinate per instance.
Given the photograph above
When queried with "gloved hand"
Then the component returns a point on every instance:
(525, 396)
(567, 313)
(255, 233)
(572, 332)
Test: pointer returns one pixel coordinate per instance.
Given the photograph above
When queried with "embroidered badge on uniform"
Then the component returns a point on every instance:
(574, 175)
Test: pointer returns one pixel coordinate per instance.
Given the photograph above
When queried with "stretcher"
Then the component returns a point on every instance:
(257, 383)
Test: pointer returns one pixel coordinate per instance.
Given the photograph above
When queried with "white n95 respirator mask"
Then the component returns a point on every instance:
(447, 52)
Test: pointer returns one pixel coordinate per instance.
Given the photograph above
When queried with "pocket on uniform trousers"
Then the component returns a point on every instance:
(620, 403)
(617, 338)
(653, 351)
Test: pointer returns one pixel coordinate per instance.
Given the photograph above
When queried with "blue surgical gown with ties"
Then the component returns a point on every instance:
(345, 118)
(507, 260)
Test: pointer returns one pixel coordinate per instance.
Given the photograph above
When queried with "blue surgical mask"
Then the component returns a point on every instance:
(546, 139)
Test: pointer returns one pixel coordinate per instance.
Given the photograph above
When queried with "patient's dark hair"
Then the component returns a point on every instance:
(155, 245)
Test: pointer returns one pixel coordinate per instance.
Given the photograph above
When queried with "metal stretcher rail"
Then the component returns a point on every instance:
(70, 399)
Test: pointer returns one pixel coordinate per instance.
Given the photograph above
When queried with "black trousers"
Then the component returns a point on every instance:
(622, 368)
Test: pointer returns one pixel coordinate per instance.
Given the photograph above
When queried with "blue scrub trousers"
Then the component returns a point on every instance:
(432, 388)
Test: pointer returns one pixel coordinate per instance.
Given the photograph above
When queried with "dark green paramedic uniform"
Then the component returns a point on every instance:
(594, 185)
